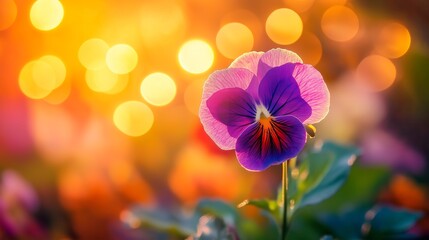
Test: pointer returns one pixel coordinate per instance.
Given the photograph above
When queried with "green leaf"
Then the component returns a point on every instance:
(391, 221)
(160, 220)
(218, 208)
(264, 204)
(213, 228)
(379, 222)
(361, 189)
(328, 169)
(246, 228)
(306, 225)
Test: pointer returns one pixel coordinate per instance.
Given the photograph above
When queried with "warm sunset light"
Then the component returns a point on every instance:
(101, 80)
(40, 77)
(160, 21)
(46, 15)
(121, 58)
(309, 48)
(92, 53)
(394, 40)
(8, 13)
(158, 89)
(284, 26)
(340, 23)
(28, 83)
(193, 95)
(299, 5)
(376, 72)
(234, 39)
(58, 68)
(214, 119)
(133, 118)
(196, 56)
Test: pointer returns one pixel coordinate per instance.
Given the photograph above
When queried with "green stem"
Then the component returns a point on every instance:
(285, 188)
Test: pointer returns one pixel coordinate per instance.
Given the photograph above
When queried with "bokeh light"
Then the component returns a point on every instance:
(284, 26)
(196, 56)
(102, 80)
(394, 40)
(158, 89)
(46, 15)
(40, 77)
(92, 53)
(43, 75)
(340, 23)
(376, 72)
(332, 2)
(60, 94)
(28, 85)
(309, 48)
(53, 131)
(234, 39)
(161, 21)
(121, 58)
(299, 5)
(133, 118)
(58, 67)
(8, 12)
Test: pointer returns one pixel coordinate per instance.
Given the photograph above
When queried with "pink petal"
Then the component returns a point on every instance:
(218, 80)
(274, 58)
(248, 60)
(313, 90)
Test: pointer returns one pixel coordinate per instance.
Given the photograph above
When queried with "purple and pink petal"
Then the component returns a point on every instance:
(272, 142)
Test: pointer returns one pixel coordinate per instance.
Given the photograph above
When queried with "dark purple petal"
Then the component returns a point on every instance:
(233, 107)
(272, 142)
(218, 80)
(280, 93)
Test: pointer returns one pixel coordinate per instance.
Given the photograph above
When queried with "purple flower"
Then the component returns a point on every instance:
(260, 104)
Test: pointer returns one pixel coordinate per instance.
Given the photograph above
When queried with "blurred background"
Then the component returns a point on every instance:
(99, 102)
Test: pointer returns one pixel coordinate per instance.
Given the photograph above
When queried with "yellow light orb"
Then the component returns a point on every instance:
(58, 67)
(27, 84)
(44, 75)
(284, 26)
(340, 23)
(8, 13)
(121, 58)
(196, 56)
(234, 39)
(102, 80)
(376, 72)
(120, 85)
(92, 54)
(394, 40)
(46, 15)
(158, 89)
(133, 118)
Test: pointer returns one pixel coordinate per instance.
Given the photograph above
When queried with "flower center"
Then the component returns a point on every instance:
(263, 116)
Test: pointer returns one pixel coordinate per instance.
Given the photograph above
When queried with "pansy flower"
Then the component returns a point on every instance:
(260, 105)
